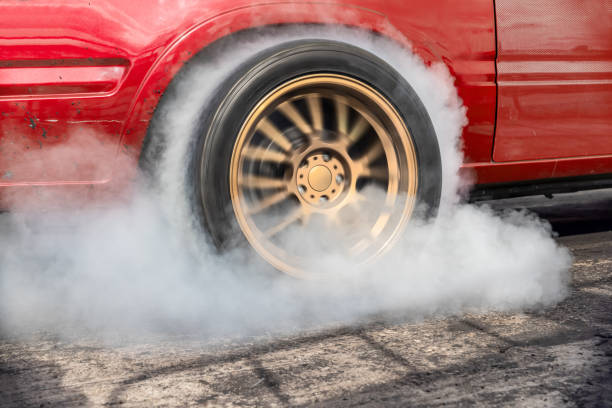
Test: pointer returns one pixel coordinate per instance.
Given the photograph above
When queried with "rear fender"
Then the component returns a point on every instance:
(192, 41)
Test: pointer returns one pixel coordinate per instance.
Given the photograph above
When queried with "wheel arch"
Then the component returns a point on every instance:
(254, 17)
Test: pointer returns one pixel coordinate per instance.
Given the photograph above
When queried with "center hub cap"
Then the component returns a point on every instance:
(319, 178)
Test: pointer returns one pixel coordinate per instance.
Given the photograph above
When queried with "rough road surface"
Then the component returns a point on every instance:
(558, 357)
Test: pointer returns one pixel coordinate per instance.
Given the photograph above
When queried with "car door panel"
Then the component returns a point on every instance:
(554, 79)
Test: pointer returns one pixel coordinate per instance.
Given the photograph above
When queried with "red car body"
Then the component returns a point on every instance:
(536, 79)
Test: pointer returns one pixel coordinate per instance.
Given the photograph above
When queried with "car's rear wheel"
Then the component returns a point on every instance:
(307, 147)
(314, 145)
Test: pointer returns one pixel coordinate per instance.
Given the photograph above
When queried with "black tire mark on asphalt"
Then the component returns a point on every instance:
(270, 381)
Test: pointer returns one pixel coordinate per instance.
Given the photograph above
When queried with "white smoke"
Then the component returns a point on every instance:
(143, 265)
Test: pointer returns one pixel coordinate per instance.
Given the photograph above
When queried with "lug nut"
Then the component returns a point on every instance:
(339, 179)
(326, 157)
(323, 199)
(301, 189)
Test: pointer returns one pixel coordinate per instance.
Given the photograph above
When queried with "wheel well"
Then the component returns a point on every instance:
(241, 22)
(150, 148)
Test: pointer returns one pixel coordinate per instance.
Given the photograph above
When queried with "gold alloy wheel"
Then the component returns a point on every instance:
(328, 154)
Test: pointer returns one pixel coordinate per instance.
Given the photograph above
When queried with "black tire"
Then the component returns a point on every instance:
(225, 112)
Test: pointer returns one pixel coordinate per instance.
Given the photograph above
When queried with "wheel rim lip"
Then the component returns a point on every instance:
(335, 81)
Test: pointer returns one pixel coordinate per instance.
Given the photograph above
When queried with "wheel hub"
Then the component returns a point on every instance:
(320, 179)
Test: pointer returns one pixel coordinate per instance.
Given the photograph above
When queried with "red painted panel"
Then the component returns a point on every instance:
(24, 81)
(537, 169)
(157, 38)
(485, 173)
(555, 79)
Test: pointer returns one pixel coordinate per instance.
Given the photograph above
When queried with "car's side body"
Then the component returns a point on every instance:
(80, 80)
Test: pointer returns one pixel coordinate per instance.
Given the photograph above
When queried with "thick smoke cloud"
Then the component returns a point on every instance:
(142, 266)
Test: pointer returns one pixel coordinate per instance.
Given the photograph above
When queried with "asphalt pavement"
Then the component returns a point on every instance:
(560, 356)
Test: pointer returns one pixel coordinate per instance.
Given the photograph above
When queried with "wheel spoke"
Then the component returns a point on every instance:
(261, 154)
(358, 130)
(356, 203)
(333, 219)
(377, 173)
(360, 246)
(373, 152)
(316, 111)
(341, 116)
(262, 182)
(271, 132)
(295, 117)
(287, 221)
(359, 198)
(380, 224)
(269, 201)
(349, 211)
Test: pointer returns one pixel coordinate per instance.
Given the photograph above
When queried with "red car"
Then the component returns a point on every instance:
(297, 125)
